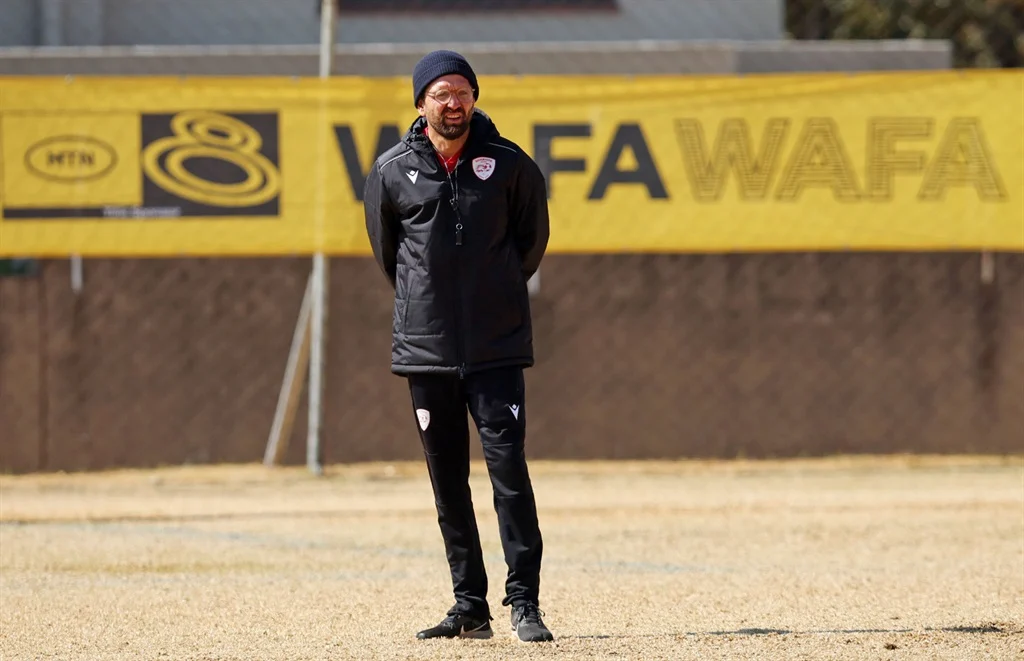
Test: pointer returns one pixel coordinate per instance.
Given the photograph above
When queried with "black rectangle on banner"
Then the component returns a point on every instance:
(209, 163)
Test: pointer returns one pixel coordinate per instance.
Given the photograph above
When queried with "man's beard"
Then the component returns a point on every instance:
(446, 130)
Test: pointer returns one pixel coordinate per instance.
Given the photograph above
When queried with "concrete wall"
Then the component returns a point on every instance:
(640, 356)
(206, 22)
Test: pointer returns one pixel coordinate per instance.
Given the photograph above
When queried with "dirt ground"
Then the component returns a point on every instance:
(850, 558)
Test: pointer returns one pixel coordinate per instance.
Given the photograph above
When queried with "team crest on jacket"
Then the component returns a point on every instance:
(483, 167)
(423, 415)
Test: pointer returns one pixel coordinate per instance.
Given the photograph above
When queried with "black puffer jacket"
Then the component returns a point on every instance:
(458, 249)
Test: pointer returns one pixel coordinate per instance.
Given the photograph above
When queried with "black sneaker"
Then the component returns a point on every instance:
(459, 626)
(527, 624)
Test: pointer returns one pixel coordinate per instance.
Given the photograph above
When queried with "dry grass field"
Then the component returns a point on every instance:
(846, 558)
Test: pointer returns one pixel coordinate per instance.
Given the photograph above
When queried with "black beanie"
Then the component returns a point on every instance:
(440, 63)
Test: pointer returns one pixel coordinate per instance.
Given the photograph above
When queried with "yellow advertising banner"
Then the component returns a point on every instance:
(261, 166)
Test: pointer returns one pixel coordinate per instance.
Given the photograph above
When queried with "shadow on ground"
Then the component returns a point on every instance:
(755, 631)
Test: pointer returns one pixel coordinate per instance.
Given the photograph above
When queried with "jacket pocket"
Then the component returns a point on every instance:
(509, 290)
(522, 295)
(401, 309)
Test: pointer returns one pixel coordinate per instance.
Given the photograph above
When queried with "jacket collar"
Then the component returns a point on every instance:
(481, 131)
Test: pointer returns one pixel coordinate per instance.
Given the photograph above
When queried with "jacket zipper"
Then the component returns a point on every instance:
(458, 274)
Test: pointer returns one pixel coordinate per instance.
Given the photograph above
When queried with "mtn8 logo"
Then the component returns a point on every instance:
(203, 157)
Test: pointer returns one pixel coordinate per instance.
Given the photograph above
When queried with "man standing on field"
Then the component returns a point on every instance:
(458, 220)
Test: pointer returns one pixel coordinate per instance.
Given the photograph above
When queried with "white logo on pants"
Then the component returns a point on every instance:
(423, 415)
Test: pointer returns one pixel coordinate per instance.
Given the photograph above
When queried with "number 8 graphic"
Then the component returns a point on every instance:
(202, 134)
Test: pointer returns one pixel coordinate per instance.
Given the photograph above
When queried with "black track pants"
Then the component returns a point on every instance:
(495, 400)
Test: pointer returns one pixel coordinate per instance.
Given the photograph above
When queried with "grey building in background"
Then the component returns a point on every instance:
(280, 37)
(19, 23)
(281, 22)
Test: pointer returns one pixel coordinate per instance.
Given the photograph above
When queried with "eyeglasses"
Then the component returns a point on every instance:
(444, 97)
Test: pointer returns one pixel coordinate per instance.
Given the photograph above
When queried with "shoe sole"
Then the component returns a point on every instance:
(478, 634)
(515, 635)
